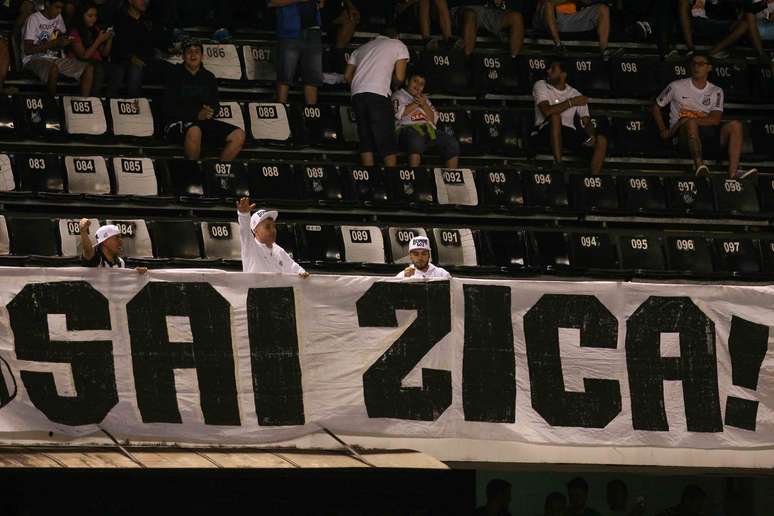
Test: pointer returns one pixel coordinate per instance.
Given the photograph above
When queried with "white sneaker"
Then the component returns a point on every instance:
(741, 174)
(702, 171)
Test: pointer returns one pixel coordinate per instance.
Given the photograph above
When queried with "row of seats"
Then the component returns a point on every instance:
(471, 250)
(486, 189)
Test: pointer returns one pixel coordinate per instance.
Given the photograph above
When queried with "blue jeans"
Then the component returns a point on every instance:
(766, 28)
(414, 142)
(307, 49)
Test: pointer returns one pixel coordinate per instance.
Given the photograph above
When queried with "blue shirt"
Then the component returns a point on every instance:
(292, 19)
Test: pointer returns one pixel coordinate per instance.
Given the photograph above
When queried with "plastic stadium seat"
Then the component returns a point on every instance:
(225, 179)
(181, 177)
(70, 235)
(41, 115)
(445, 71)
(548, 250)
(286, 238)
(348, 125)
(5, 243)
(545, 190)
(135, 176)
(231, 113)
(269, 122)
(321, 183)
(762, 83)
(320, 244)
(7, 182)
(33, 237)
(221, 240)
(689, 194)
(633, 76)
(642, 252)
(8, 125)
(84, 116)
(363, 244)
(636, 134)
(175, 239)
(320, 125)
(592, 251)
(497, 131)
(594, 193)
(40, 173)
(767, 255)
(135, 236)
(763, 137)
(503, 249)
(132, 117)
(532, 68)
(400, 238)
(454, 247)
(733, 78)
(642, 194)
(735, 196)
(272, 181)
(87, 175)
(222, 61)
(458, 120)
(588, 74)
(364, 185)
(456, 186)
(495, 73)
(259, 63)
(410, 186)
(736, 255)
(765, 188)
(500, 188)
(671, 71)
(689, 254)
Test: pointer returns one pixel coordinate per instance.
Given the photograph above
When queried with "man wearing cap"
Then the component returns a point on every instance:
(421, 268)
(258, 234)
(106, 253)
(191, 107)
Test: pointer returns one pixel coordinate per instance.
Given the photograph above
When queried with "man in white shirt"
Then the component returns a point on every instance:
(695, 119)
(258, 235)
(556, 106)
(421, 268)
(371, 70)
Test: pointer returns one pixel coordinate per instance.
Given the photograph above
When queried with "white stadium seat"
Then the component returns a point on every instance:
(84, 116)
(136, 239)
(87, 175)
(259, 63)
(269, 122)
(7, 183)
(135, 176)
(221, 240)
(5, 243)
(132, 117)
(400, 237)
(223, 61)
(363, 244)
(231, 113)
(456, 186)
(70, 236)
(454, 247)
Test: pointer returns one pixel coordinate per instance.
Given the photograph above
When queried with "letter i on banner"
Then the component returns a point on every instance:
(748, 343)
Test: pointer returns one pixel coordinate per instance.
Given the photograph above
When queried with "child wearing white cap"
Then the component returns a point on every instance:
(106, 253)
(260, 251)
(421, 268)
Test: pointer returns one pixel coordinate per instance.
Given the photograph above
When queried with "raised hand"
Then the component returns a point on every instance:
(244, 206)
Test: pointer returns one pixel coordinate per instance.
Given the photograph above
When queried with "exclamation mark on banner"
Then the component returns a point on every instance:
(747, 344)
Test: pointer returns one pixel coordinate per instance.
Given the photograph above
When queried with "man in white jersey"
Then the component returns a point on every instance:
(695, 119)
(258, 234)
(421, 268)
(556, 106)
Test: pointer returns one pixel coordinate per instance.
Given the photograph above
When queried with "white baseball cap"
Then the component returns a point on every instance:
(261, 215)
(105, 232)
(420, 243)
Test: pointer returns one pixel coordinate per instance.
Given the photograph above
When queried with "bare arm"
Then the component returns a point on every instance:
(399, 75)
(349, 73)
(588, 126)
(87, 248)
(31, 48)
(86, 53)
(549, 110)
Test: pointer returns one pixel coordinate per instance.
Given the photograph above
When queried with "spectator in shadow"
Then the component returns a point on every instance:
(558, 16)
(618, 500)
(91, 44)
(494, 16)
(498, 499)
(652, 20)
(555, 505)
(692, 503)
(577, 496)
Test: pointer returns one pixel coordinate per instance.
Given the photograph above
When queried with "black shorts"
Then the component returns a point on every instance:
(214, 132)
(375, 124)
(572, 139)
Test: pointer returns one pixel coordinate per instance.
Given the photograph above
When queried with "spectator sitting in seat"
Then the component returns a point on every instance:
(557, 16)
(300, 40)
(421, 268)
(695, 119)
(498, 499)
(416, 118)
(409, 12)
(371, 70)
(91, 44)
(654, 18)
(190, 105)
(495, 16)
(107, 252)
(44, 39)
(556, 105)
(555, 505)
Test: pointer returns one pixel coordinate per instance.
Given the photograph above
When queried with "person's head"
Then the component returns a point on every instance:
(192, 54)
(617, 495)
(577, 493)
(138, 5)
(415, 83)
(556, 504)
(701, 66)
(109, 239)
(53, 8)
(498, 493)
(263, 223)
(556, 73)
(419, 252)
(692, 500)
(87, 15)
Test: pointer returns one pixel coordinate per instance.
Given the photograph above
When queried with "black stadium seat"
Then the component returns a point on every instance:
(40, 173)
(689, 194)
(643, 194)
(503, 249)
(737, 255)
(321, 183)
(320, 125)
(181, 177)
(545, 190)
(767, 255)
(636, 134)
(33, 237)
(763, 136)
(8, 124)
(762, 83)
(592, 251)
(589, 75)
(494, 73)
(548, 251)
(458, 120)
(320, 244)
(734, 78)
(532, 68)
(286, 238)
(671, 71)
(445, 71)
(735, 196)
(594, 193)
(497, 131)
(225, 179)
(409, 186)
(175, 239)
(276, 181)
(40, 116)
(364, 185)
(766, 191)
(689, 255)
(500, 188)
(633, 76)
(642, 252)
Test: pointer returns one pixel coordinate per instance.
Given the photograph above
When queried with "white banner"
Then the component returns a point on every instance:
(227, 358)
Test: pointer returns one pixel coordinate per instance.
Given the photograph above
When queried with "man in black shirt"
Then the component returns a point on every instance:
(191, 105)
(106, 253)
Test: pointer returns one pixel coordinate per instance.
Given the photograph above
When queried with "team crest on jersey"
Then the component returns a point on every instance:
(707, 100)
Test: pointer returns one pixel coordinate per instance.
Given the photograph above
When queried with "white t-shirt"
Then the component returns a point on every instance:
(258, 257)
(432, 272)
(39, 29)
(400, 100)
(375, 63)
(768, 12)
(542, 91)
(687, 101)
